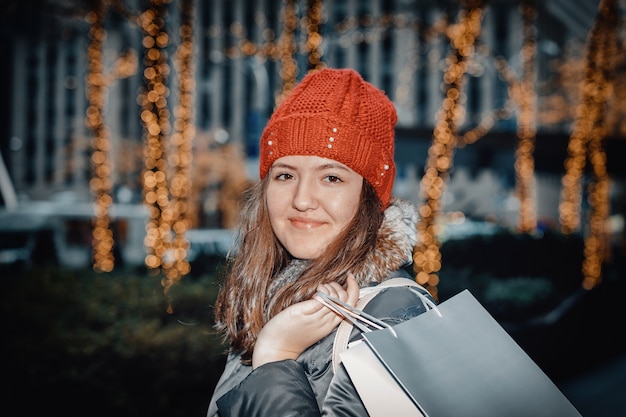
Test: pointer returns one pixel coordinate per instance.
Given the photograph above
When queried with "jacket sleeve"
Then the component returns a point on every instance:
(283, 388)
(274, 389)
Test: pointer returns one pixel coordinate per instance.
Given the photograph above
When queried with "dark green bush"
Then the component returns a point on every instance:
(83, 343)
(516, 277)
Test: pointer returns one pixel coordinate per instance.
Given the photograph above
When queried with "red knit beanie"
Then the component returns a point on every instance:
(335, 114)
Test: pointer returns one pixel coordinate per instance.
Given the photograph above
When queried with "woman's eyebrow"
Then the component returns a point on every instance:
(318, 168)
(282, 165)
(333, 166)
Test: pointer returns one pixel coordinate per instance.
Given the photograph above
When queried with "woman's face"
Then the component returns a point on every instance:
(310, 201)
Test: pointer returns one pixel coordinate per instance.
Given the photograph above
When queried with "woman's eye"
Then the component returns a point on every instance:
(284, 177)
(332, 178)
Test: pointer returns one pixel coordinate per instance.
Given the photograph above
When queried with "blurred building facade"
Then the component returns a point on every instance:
(396, 45)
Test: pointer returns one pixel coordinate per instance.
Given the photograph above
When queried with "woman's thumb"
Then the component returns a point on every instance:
(352, 288)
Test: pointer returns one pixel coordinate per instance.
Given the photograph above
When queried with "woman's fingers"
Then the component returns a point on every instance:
(333, 289)
(352, 290)
(349, 294)
(297, 327)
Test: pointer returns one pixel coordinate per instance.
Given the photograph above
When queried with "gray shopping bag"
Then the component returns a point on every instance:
(462, 363)
(382, 396)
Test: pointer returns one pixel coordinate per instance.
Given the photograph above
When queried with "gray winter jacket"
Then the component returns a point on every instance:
(309, 386)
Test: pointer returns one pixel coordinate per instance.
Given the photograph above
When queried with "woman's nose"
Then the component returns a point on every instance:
(305, 197)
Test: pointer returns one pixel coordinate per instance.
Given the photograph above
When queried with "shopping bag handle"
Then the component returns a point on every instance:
(427, 301)
(357, 317)
(343, 332)
(360, 318)
(350, 313)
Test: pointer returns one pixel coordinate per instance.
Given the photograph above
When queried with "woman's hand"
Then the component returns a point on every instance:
(297, 327)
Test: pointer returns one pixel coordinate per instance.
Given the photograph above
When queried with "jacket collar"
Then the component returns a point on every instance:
(396, 239)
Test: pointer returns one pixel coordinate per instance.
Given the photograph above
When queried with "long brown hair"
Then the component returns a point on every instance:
(243, 308)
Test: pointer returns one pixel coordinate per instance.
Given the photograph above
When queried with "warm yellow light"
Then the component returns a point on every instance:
(586, 142)
(427, 257)
(98, 80)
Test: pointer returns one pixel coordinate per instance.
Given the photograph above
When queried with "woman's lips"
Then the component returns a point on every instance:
(303, 223)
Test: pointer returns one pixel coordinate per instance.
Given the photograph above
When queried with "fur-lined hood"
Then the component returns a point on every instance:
(397, 236)
(396, 239)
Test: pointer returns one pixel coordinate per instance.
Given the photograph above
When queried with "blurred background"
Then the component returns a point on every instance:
(129, 131)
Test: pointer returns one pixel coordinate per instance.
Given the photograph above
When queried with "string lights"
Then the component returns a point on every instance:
(462, 35)
(526, 100)
(586, 139)
(100, 183)
(97, 84)
(314, 39)
(155, 116)
(287, 49)
(168, 220)
(176, 265)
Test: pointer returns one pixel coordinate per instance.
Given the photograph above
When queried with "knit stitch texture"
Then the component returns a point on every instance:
(335, 114)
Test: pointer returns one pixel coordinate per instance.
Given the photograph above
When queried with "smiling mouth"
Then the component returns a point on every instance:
(304, 223)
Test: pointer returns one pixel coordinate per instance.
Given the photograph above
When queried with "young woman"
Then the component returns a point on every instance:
(322, 218)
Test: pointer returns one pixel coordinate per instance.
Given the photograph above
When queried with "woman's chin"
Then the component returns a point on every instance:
(305, 253)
